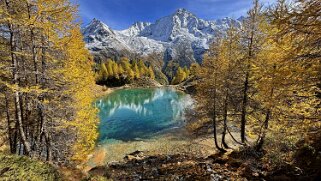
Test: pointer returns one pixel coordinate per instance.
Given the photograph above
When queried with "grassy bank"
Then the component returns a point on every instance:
(14, 167)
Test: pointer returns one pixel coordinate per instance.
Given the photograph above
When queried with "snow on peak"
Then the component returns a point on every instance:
(166, 29)
(179, 31)
(136, 28)
(97, 27)
(141, 25)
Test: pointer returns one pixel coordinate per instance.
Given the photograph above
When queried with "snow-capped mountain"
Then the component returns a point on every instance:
(180, 36)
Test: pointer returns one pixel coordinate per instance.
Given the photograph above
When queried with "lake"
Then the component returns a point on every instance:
(137, 114)
(150, 120)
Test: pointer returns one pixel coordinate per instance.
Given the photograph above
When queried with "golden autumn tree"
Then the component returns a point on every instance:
(127, 68)
(115, 70)
(208, 89)
(288, 72)
(47, 93)
(194, 69)
(218, 87)
(151, 73)
(143, 70)
(252, 38)
(135, 69)
(109, 66)
(272, 76)
(179, 77)
(229, 56)
(81, 80)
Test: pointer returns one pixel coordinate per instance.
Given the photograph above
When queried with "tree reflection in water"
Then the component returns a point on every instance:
(131, 114)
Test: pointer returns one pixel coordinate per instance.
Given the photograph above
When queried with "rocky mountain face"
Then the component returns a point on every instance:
(181, 36)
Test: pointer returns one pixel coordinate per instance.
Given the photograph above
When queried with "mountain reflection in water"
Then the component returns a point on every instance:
(132, 114)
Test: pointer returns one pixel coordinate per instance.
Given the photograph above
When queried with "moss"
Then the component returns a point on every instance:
(13, 167)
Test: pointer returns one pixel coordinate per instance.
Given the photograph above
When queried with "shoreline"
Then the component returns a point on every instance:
(101, 91)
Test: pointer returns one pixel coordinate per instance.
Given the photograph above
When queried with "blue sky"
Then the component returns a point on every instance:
(120, 14)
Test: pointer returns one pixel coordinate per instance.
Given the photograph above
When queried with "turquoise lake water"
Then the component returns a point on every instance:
(134, 114)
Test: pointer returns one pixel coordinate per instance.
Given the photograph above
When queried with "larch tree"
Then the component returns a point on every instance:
(136, 70)
(289, 85)
(252, 41)
(194, 68)
(115, 69)
(81, 80)
(151, 73)
(208, 89)
(228, 57)
(40, 38)
(109, 66)
(179, 77)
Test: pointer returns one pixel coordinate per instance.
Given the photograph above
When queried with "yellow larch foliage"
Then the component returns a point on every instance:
(77, 70)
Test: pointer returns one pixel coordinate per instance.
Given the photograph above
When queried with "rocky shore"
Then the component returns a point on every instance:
(242, 165)
(137, 166)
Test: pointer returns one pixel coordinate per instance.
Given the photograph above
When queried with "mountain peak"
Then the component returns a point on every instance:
(182, 11)
(241, 18)
(172, 35)
(136, 28)
(97, 26)
(95, 21)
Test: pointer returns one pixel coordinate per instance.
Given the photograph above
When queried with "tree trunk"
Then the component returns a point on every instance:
(11, 143)
(33, 47)
(48, 145)
(20, 125)
(214, 122)
(43, 61)
(18, 112)
(15, 137)
(244, 107)
(225, 120)
(43, 108)
(266, 125)
(247, 75)
(267, 116)
(34, 56)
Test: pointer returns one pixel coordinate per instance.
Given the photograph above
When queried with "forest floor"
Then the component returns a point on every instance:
(228, 166)
(178, 164)
(184, 157)
(175, 156)
(237, 164)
